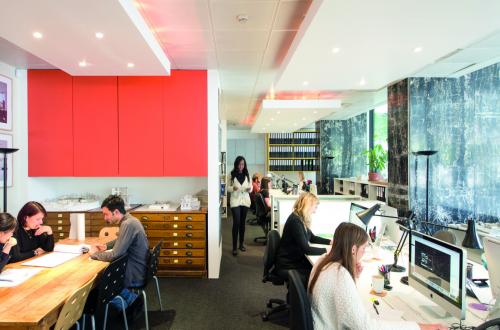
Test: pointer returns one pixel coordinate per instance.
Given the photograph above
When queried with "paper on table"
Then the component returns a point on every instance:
(16, 276)
(68, 248)
(51, 260)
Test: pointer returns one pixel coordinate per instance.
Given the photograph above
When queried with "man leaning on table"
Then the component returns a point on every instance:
(131, 241)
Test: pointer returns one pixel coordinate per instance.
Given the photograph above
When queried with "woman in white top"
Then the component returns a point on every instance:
(239, 186)
(335, 302)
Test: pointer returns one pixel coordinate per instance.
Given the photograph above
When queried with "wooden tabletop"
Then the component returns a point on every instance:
(35, 304)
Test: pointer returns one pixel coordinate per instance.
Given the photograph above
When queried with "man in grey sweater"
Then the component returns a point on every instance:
(131, 241)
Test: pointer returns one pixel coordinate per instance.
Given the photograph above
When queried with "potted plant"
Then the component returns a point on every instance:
(377, 159)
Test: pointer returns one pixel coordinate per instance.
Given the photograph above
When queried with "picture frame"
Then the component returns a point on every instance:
(6, 142)
(5, 103)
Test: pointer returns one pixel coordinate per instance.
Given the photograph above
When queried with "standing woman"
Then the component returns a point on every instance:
(294, 243)
(240, 187)
(7, 226)
(33, 238)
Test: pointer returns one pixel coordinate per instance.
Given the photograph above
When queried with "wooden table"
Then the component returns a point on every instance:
(35, 304)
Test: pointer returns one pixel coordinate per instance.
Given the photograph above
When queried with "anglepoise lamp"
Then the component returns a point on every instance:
(5, 152)
(404, 223)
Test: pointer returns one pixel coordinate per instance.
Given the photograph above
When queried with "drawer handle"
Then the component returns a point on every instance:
(59, 215)
(61, 234)
(189, 245)
(59, 228)
(189, 226)
(189, 218)
(145, 218)
(189, 253)
(189, 261)
(59, 221)
(189, 235)
(174, 226)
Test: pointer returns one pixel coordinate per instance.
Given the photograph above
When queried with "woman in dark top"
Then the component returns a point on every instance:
(294, 243)
(33, 238)
(265, 185)
(7, 226)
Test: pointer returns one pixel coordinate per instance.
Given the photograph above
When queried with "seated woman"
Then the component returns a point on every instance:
(294, 243)
(33, 239)
(265, 185)
(302, 181)
(7, 226)
(335, 301)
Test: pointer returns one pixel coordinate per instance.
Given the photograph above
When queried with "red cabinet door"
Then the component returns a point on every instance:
(50, 123)
(95, 126)
(185, 123)
(140, 130)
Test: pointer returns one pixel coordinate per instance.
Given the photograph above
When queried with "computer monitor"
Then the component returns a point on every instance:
(492, 253)
(437, 270)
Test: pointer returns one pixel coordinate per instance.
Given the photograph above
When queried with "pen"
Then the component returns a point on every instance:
(376, 310)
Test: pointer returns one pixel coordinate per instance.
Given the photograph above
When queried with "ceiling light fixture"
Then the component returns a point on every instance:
(37, 35)
(82, 63)
(278, 112)
(130, 65)
(362, 82)
(99, 35)
(272, 118)
(315, 111)
(417, 49)
(303, 118)
(242, 19)
(335, 50)
(305, 83)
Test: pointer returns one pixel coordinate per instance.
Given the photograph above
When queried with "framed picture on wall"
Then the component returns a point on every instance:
(6, 142)
(5, 103)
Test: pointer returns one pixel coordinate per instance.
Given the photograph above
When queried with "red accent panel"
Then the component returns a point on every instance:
(140, 117)
(95, 125)
(50, 119)
(186, 123)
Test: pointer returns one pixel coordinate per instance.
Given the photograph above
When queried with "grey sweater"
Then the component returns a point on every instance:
(132, 241)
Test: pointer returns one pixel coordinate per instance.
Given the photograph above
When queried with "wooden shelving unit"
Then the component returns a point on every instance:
(370, 190)
(291, 152)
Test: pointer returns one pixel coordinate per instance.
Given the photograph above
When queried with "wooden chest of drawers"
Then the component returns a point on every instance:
(60, 224)
(184, 235)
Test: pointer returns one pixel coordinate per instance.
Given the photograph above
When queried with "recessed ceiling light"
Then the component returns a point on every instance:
(335, 50)
(130, 65)
(315, 111)
(242, 18)
(305, 83)
(82, 63)
(272, 118)
(294, 124)
(362, 82)
(278, 112)
(418, 49)
(99, 35)
(37, 35)
(303, 118)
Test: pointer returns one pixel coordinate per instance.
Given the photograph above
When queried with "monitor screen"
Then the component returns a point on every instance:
(437, 271)
(353, 218)
(492, 251)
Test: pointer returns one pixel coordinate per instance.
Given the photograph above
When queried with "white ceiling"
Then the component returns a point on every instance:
(69, 27)
(20, 58)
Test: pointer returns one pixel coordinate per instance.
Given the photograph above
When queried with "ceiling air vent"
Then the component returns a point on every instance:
(463, 69)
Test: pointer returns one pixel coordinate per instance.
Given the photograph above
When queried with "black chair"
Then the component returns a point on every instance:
(252, 221)
(151, 270)
(263, 217)
(300, 307)
(271, 275)
(110, 285)
(489, 325)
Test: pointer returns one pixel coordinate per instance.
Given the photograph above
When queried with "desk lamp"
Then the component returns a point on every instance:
(403, 222)
(5, 151)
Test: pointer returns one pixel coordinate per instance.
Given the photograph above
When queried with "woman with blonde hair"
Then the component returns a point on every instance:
(294, 244)
(335, 301)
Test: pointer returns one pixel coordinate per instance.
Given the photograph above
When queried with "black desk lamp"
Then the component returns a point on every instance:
(5, 151)
(403, 222)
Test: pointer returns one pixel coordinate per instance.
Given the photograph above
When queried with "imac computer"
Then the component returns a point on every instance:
(492, 253)
(437, 270)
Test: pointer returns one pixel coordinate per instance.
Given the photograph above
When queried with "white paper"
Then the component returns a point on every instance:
(16, 276)
(75, 248)
(51, 260)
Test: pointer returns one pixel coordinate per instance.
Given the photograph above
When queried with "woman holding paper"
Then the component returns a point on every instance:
(7, 226)
(33, 238)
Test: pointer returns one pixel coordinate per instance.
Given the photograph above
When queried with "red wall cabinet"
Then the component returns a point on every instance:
(95, 126)
(140, 118)
(50, 123)
(185, 123)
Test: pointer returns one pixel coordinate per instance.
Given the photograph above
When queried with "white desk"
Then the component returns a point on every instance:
(404, 302)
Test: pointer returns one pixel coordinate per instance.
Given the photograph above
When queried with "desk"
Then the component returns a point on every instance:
(403, 298)
(35, 304)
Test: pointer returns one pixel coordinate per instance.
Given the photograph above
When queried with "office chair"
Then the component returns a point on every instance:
(252, 221)
(489, 325)
(110, 285)
(151, 271)
(270, 274)
(300, 307)
(446, 236)
(73, 308)
(263, 217)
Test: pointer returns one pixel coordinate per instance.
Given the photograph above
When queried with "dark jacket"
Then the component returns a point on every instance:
(294, 245)
(27, 242)
(4, 257)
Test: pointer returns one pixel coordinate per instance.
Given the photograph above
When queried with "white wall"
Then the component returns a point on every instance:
(249, 145)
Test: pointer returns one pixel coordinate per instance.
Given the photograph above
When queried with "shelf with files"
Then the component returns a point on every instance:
(370, 190)
(294, 151)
